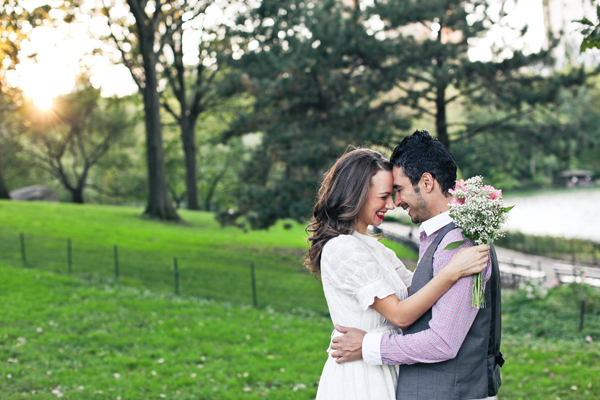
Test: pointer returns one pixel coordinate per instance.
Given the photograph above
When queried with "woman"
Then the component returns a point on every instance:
(365, 284)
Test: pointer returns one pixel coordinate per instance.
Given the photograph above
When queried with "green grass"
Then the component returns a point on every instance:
(541, 369)
(62, 334)
(104, 342)
(213, 262)
(91, 329)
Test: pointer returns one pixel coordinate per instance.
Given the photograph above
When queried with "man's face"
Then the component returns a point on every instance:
(410, 198)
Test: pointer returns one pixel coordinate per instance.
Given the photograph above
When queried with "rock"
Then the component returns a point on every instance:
(34, 193)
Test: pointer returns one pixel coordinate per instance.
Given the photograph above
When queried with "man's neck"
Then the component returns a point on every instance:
(435, 223)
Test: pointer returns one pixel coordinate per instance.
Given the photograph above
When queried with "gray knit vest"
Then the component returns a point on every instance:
(475, 372)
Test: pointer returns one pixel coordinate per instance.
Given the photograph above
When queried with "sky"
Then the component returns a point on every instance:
(61, 52)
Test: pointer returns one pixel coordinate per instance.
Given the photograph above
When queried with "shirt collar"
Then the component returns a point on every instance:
(436, 223)
(370, 240)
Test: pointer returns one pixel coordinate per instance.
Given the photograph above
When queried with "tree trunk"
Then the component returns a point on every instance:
(188, 140)
(77, 195)
(440, 98)
(159, 202)
(440, 115)
(3, 190)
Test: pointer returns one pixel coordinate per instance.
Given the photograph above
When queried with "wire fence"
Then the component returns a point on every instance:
(187, 273)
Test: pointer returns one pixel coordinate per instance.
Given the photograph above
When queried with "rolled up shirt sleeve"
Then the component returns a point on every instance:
(452, 317)
(370, 348)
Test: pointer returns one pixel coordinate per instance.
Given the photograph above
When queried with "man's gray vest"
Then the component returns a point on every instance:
(463, 377)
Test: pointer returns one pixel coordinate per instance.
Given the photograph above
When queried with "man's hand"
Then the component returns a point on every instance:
(347, 347)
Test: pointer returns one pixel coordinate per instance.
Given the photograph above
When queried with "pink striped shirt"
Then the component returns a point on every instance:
(452, 315)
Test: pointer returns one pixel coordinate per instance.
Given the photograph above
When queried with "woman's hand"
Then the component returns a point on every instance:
(468, 261)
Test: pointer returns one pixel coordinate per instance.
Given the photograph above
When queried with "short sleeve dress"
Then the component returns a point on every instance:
(355, 269)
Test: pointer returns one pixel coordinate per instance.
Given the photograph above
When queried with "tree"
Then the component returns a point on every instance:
(306, 64)
(141, 43)
(70, 140)
(535, 147)
(428, 61)
(15, 23)
(196, 88)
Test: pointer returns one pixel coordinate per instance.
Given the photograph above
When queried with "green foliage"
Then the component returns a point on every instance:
(218, 164)
(308, 66)
(553, 314)
(530, 150)
(591, 32)
(580, 250)
(71, 138)
(16, 22)
(326, 76)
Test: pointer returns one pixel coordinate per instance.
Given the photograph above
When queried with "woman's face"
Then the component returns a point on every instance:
(379, 201)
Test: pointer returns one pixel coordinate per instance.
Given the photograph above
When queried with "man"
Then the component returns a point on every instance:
(452, 351)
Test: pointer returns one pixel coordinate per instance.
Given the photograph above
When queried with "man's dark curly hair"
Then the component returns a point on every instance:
(420, 153)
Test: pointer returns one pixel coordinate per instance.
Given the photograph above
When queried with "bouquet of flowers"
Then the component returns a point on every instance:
(479, 210)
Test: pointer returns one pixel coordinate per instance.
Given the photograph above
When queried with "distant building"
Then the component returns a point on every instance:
(576, 177)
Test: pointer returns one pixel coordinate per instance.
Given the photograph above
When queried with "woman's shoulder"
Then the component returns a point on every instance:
(340, 243)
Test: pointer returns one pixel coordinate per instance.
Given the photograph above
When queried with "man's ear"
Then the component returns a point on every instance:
(427, 183)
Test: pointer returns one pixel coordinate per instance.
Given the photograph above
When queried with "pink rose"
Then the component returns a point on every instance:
(459, 187)
(496, 195)
(457, 201)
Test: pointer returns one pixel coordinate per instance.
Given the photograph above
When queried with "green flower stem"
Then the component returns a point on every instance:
(478, 300)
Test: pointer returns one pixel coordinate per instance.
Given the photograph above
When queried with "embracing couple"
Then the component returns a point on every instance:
(385, 315)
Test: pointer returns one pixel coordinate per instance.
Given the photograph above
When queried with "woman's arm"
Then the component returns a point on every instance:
(467, 261)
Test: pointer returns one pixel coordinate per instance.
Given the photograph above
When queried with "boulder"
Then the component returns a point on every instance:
(34, 193)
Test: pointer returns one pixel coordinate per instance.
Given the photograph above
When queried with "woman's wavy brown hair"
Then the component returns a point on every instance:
(341, 197)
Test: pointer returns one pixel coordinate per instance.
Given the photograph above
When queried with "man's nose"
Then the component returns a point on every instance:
(397, 199)
(389, 204)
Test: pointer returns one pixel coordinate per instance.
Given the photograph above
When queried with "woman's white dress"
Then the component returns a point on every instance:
(355, 269)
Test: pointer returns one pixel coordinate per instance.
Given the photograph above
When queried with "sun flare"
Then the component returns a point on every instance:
(42, 101)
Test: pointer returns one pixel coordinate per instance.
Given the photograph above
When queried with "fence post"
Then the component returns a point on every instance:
(581, 315)
(176, 272)
(69, 256)
(22, 238)
(574, 259)
(254, 300)
(116, 254)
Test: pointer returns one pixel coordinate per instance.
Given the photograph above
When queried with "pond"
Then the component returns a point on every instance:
(570, 213)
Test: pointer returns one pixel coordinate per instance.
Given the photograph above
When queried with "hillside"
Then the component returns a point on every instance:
(213, 262)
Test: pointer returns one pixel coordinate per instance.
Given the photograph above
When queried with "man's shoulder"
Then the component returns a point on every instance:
(455, 235)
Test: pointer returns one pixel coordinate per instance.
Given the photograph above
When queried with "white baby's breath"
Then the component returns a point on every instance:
(479, 210)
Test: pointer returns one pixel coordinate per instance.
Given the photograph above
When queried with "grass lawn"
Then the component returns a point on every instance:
(59, 335)
(62, 335)
(542, 369)
(81, 336)
(213, 262)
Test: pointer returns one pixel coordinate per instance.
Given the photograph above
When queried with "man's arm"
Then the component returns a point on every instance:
(452, 317)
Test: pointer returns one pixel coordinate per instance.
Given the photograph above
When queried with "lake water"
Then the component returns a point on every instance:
(563, 213)
(568, 213)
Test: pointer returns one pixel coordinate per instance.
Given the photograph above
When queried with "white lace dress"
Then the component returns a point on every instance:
(355, 269)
